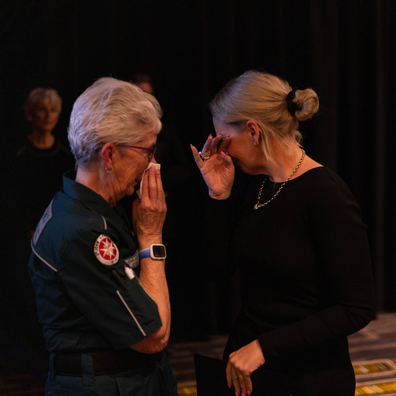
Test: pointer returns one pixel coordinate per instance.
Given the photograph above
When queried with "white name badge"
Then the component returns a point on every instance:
(133, 261)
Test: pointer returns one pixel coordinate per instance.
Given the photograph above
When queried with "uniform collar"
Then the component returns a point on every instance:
(90, 198)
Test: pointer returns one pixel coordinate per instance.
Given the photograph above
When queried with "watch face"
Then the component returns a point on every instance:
(159, 251)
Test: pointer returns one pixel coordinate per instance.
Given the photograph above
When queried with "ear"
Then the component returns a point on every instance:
(107, 153)
(254, 132)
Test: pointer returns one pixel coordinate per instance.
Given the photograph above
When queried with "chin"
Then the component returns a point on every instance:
(247, 170)
(131, 189)
(241, 167)
(129, 192)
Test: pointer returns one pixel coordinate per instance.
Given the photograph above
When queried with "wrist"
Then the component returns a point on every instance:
(145, 243)
(154, 252)
(219, 197)
(260, 350)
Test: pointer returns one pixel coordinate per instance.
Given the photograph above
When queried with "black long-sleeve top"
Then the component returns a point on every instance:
(305, 262)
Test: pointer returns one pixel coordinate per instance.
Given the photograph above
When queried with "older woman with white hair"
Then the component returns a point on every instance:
(294, 230)
(101, 289)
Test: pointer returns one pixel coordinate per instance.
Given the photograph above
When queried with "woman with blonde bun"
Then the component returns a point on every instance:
(294, 230)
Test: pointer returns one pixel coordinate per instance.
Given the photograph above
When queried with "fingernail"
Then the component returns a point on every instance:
(248, 393)
(229, 386)
(223, 154)
(236, 394)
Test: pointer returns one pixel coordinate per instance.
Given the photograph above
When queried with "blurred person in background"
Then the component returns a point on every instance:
(42, 160)
(35, 176)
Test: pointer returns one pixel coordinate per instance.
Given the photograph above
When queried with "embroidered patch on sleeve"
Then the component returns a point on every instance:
(106, 250)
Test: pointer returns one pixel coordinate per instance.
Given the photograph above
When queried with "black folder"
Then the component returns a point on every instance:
(212, 381)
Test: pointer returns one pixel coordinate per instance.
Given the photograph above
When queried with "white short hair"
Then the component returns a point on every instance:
(113, 111)
(38, 95)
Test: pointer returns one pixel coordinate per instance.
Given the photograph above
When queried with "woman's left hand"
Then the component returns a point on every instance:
(241, 365)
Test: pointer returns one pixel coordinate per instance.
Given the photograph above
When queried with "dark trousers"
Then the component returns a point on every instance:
(153, 379)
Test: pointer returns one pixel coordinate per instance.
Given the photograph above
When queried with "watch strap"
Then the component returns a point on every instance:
(144, 253)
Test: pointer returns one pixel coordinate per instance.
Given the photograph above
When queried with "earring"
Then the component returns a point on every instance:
(108, 170)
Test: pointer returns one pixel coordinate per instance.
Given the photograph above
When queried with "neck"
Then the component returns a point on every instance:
(285, 166)
(41, 140)
(97, 181)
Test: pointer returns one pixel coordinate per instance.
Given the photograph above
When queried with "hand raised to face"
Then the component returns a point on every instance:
(149, 211)
(216, 166)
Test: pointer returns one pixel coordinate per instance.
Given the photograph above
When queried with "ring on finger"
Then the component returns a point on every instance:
(239, 376)
(203, 157)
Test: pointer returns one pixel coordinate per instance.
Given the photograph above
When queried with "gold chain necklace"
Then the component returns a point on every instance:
(258, 204)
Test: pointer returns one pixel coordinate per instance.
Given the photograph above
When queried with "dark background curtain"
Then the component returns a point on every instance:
(343, 49)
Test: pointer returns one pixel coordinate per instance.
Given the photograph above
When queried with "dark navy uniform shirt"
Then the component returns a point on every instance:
(82, 304)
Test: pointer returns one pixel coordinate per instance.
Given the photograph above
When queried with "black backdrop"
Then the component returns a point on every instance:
(343, 49)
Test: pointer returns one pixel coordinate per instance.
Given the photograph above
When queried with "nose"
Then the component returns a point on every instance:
(153, 160)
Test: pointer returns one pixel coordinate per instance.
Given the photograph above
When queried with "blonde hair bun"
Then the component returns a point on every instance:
(307, 104)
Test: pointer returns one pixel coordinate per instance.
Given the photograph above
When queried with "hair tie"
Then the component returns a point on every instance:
(291, 106)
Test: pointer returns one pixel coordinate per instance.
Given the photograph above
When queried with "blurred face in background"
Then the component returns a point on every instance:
(44, 116)
(145, 87)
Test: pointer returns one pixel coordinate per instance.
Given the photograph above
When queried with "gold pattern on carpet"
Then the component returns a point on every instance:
(374, 368)
(187, 390)
(382, 387)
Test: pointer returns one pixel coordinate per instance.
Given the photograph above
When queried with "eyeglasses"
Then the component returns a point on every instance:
(151, 150)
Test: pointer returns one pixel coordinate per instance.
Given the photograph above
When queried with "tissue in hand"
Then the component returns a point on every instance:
(158, 166)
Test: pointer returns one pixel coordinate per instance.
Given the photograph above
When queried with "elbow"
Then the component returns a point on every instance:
(368, 310)
(368, 315)
(363, 316)
(158, 346)
(158, 341)
(154, 343)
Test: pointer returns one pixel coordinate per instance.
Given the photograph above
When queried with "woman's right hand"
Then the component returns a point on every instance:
(218, 170)
(148, 212)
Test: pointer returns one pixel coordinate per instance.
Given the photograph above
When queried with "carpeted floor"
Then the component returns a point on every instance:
(373, 352)
(375, 343)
